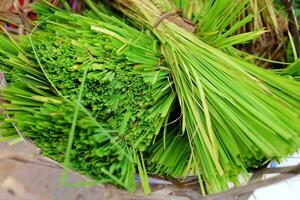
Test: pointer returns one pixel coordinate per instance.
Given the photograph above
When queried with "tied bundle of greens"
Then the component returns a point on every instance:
(116, 74)
(233, 112)
(104, 97)
(34, 111)
(124, 87)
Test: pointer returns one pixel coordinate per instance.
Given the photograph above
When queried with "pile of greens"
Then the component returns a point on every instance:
(116, 90)
(125, 86)
(234, 113)
(110, 97)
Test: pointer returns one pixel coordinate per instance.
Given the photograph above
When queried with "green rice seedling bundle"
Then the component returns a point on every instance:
(125, 86)
(233, 112)
(106, 98)
(34, 110)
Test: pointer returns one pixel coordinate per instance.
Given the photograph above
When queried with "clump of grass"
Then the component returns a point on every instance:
(40, 114)
(108, 91)
(119, 75)
(232, 111)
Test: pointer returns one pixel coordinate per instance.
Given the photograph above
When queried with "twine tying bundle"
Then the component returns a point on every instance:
(178, 19)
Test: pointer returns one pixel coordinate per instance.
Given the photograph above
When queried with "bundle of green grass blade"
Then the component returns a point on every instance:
(234, 113)
(124, 86)
(95, 93)
(113, 71)
(35, 111)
